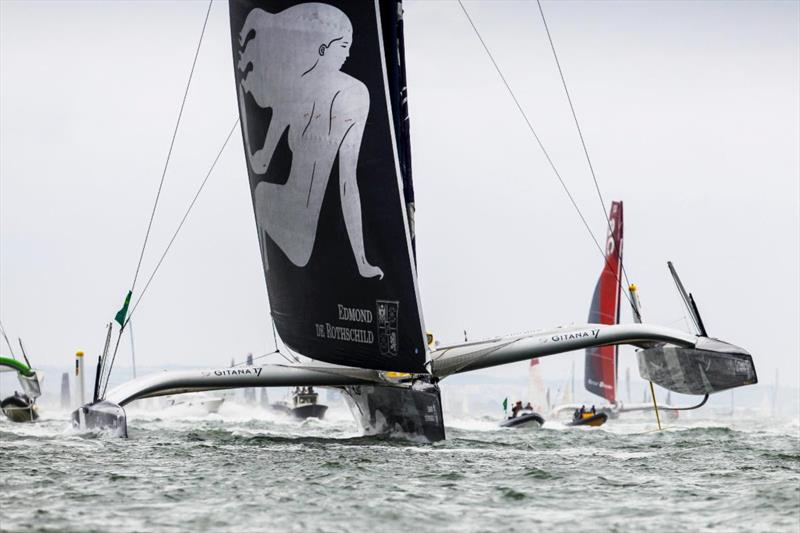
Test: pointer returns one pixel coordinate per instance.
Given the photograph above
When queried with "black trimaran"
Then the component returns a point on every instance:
(324, 120)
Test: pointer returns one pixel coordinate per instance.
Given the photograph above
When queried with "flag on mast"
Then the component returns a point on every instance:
(123, 313)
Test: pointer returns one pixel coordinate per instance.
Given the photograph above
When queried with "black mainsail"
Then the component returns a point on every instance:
(321, 91)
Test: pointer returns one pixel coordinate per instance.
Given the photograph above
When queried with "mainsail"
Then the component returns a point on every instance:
(600, 376)
(322, 101)
(537, 393)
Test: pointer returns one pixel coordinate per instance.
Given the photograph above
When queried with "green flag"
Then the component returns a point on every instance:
(505, 404)
(122, 313)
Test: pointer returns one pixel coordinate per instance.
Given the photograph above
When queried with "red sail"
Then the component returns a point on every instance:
(600, 376)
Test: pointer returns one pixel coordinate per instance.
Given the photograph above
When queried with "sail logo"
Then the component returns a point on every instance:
(341, 333)
(344, 333)
(611, 240)
(290, 67)
(387, 312)
(600, 384)
(576, 335)
(353, 314)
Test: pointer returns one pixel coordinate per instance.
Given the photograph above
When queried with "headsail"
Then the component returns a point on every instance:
(600, 376)
(321, 97)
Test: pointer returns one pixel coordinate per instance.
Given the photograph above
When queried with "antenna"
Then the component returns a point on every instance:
(636, 307)
(636, 304)
(25, 355)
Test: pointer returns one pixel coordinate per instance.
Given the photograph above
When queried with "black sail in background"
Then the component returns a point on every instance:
(322, 104)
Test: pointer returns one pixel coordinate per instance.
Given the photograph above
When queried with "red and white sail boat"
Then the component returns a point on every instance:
(600, 376)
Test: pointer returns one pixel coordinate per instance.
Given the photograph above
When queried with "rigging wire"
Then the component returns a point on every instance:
(183, 220)
(275, 338)
(538, 140)
(166, 250)
(263, 356)
(171, 145)
(580, 134)
(274, 333)
(290, 358)
(110, 367)
(160, 187)
(293, 360)
(101, 375)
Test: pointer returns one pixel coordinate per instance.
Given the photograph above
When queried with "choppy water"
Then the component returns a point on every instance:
(240, 471)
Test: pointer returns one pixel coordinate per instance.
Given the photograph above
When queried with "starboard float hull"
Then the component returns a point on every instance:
(524, 421)
(414, 411)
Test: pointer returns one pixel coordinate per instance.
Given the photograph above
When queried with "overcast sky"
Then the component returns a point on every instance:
(690, 111)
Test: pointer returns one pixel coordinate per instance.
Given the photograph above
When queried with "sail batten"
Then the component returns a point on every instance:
(321, 95)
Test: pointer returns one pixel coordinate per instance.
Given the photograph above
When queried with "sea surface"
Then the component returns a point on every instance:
(247, 469)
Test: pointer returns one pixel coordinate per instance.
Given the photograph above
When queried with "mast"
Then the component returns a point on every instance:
(66, 397)
(628, 383)
(775, 395)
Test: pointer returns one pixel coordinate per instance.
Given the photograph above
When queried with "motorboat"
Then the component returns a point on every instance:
(527, 419)
(303, 404)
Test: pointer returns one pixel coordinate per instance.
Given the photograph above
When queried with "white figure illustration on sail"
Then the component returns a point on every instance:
(295, 56)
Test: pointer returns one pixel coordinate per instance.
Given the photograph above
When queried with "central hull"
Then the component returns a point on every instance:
(413, 411)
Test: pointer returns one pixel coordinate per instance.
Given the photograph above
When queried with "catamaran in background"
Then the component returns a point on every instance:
(20, 406)
(329, 166)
